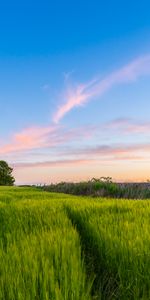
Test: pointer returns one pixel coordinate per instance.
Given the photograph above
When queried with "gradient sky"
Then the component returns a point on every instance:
(75, 89)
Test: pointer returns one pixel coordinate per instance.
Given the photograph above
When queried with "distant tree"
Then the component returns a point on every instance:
(6, 177)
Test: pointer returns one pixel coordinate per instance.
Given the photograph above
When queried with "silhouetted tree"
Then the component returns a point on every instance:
(6, 177)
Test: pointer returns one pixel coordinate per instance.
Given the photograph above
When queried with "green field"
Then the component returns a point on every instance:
(55, 246)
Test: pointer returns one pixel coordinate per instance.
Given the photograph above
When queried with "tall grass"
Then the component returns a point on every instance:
(60, 247)
(116, 241)
(40, 251)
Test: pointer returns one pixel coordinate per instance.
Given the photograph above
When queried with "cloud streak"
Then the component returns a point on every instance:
(82, 93)
(27, 139)
(55, 163)
(103, 154)
(35, 138)
(113, 151)
(128, 126)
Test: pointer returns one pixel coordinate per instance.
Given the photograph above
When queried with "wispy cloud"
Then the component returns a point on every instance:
(111, 153)
(45, 87)
(67, 75)
(55, 163)
(56, 136)
(30, 138)
(79, 95)
(34, 138)
(103, 154)
(128, 126)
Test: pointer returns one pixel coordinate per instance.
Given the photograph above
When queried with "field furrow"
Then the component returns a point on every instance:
(61, 247)
(40, 251)
(116, 245)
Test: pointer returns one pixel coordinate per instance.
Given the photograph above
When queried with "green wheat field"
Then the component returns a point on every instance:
(59, 247)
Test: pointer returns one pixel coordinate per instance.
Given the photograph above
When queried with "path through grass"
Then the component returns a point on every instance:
(60, 247)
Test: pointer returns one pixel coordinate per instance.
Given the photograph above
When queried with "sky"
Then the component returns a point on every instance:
(75, 90)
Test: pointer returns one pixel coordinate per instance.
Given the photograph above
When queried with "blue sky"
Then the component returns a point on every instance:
(74, 89)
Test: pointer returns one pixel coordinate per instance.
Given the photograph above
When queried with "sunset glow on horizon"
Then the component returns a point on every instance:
(74, 95)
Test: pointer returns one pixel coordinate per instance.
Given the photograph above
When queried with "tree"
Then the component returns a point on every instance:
(6, 177)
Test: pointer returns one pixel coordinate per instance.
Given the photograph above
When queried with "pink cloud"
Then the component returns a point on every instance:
(73, 164)
(56, 163)
(112, 152)
(101, 154)
(34, 138)
(30, 138)
(79, 95)
(129, 126)
(44, 137)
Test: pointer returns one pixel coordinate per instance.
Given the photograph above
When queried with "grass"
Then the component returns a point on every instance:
(116, 239)
(57, 246)
(40, 251)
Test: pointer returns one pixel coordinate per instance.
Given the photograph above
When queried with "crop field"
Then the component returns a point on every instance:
(60, 247)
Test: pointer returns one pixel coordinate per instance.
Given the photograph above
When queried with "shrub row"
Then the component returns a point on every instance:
(102, 187)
